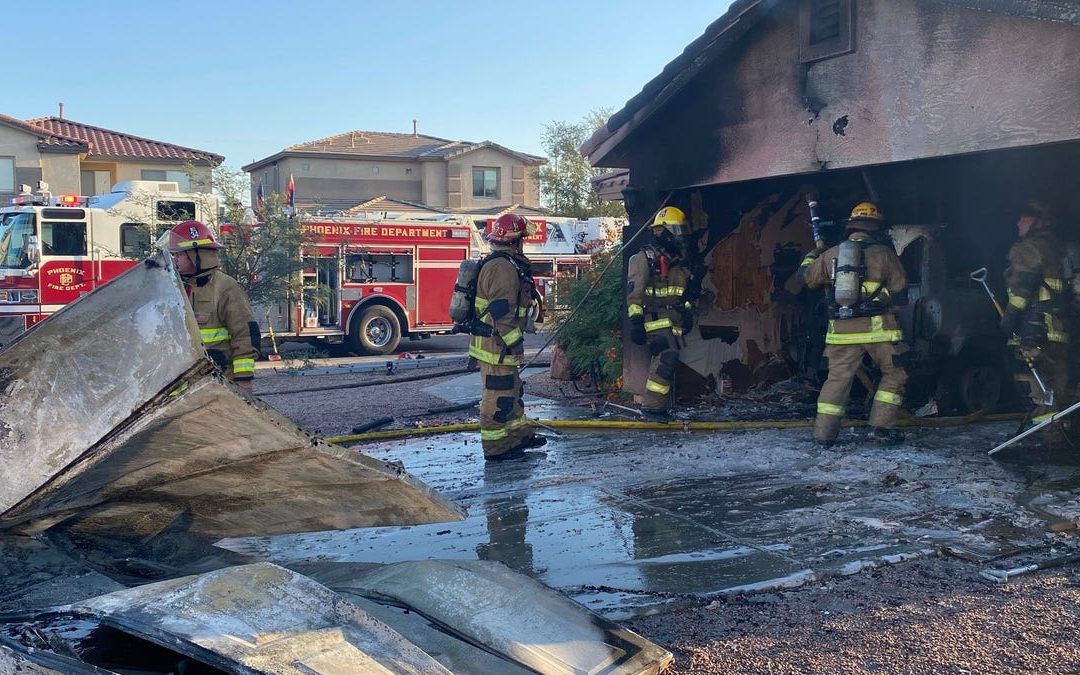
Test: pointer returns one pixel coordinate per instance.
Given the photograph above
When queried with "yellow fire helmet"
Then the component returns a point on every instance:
(866, 215)
(671, 218)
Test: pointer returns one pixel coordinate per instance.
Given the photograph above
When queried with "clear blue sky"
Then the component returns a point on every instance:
(246, 79)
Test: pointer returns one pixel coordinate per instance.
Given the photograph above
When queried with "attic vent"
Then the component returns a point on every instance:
(825, 29)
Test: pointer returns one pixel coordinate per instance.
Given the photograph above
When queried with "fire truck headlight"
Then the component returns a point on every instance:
(29, 296)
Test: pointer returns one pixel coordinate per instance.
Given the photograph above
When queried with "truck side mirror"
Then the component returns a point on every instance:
(33, 250)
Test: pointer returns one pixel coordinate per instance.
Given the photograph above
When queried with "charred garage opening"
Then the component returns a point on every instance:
(934, 109)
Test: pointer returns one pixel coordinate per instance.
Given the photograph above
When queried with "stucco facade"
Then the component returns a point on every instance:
(342, 171)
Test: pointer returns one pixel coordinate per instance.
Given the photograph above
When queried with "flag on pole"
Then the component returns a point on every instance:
(260, 201)
(290, 192)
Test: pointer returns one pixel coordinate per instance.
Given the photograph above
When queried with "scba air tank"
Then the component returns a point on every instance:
(461, 302)
(848, 279)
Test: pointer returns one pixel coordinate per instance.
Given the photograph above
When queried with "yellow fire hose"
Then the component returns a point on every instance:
(669, 426)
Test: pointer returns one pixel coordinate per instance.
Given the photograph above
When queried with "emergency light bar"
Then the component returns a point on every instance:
(69, 200)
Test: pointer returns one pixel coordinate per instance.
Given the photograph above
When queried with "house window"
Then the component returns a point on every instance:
(181, 178)
(305, 167)
(825, 29)
(485, 182)
(95, 182)
(7, 174)
(374, 171)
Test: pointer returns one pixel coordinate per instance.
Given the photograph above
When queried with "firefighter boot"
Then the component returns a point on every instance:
(826, 429)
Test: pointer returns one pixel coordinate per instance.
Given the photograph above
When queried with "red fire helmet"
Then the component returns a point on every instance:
(509, 228)
(191, 234)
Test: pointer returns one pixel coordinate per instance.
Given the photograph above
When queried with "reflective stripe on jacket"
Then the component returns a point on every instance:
(884, 277)
(503, 302)
(659, 300)
(225, 324)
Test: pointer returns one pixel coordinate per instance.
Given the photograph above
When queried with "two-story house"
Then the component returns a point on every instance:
(77, 158)
(339, 172)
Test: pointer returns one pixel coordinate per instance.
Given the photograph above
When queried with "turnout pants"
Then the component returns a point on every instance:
(1052, 366)
(665, 350)
(844, 361)
(502, 414)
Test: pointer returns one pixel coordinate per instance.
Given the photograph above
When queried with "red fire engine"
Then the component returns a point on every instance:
(372, 282)
(55, 249)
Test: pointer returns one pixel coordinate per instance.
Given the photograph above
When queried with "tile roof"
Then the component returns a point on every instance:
(497, 211)
(392, 145)
(357, 207)
(108, 143)
(46, 137)
(384, 203)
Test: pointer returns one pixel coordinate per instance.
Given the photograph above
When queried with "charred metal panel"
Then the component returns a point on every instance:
(231, 467)
(520, 619)
(71, 379)
(925, 80)
(260, 618)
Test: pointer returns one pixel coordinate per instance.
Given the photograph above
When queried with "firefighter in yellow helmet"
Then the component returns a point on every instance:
(659, 308)
(864, 277)
(1038, 309)
(227, 326)
(505, 296)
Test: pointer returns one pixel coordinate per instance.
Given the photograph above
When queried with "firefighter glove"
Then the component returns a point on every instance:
(637, 329)
(1029, 352)
(687, 322)
(657, 346)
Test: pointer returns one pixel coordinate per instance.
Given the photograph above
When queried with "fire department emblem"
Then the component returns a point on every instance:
(64, 279)
(193, 233)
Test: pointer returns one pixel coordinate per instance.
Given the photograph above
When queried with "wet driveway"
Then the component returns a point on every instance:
(630, 522)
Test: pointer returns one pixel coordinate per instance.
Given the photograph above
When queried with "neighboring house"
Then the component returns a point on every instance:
(950, 113)
(76, 158)
(348, 169)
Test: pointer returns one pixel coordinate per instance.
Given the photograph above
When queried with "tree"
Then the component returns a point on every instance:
(564, 180)
(262, 246)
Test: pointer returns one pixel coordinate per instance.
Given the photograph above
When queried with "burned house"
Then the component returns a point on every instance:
(951, 114)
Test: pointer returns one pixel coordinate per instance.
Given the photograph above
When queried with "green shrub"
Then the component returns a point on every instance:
(592, 337)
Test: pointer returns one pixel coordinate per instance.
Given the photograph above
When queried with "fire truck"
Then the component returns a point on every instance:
(55, 249)
(370, 282)
(561, 249)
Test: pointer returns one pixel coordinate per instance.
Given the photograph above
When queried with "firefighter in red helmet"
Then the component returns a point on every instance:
(227, 326)
(505, 296)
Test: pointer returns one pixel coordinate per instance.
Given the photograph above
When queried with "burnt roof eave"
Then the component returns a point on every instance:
(657, 91)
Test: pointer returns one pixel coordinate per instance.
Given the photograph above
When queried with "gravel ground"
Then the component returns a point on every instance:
(927, 616)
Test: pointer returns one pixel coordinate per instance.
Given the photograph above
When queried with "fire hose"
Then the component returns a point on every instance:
(677, 426)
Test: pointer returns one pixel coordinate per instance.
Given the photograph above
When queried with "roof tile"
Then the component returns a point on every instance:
(108, 143)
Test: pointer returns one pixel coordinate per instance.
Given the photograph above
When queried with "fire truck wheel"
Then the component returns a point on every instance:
(377, 332)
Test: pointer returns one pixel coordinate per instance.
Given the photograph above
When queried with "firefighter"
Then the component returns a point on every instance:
(504, 300)
(659, 307)
(227, 326)
(1036, 314)
(863, 274)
